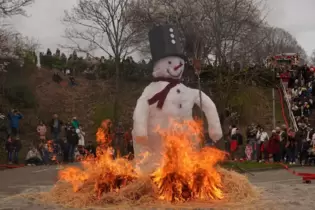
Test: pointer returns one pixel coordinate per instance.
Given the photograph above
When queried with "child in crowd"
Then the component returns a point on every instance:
(43, 149)
(42, 130)
(248, 151)
(33, 157)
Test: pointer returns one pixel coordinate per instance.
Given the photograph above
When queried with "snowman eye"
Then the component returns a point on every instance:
(169, 62)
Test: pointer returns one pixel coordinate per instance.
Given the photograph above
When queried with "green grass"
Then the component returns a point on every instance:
(250, 166)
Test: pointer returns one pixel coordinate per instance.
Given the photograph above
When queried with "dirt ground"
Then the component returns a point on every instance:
(280, 190)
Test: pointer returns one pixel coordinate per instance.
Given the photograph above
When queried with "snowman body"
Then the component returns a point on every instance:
(178, 106)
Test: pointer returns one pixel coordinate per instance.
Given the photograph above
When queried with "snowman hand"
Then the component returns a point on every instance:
(215, 136)
(143, 140)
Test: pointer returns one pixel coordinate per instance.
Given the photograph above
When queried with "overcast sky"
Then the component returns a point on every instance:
(298, 17)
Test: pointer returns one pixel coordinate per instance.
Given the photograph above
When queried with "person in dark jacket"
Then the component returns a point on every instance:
(17, 148)
(301, 138)
(73, 140)
(251, 139)
(129, 144)
(55, 127)
(291, 81)
(237, 139)
(118, 143)
(65, 149)
(9, 146)
(291, 147)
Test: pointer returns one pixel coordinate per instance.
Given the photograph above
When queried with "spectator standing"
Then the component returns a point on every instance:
(73, 140)
(15, 116)
(129, 143)
(75, 123)
(261, 137)
(291, 80)
(43, 149)
(119, 140)
(55, 126)
(237, 140)
(301, 141)
(65, 149)
(41, 130)
(17, 148)
(274, 146)
(9, 146)
(251, 139)
(228, 139)
(283, 141)
(285, 77)
(291, 147)
(81, 135)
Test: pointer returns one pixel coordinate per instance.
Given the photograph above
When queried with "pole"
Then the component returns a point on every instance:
(202, 143)
(273, 108)
(274, 100)
(200, 98)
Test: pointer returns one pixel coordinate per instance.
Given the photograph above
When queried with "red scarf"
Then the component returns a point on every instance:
(161, 96)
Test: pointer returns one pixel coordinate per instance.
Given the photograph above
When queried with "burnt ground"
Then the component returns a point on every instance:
(281, 190)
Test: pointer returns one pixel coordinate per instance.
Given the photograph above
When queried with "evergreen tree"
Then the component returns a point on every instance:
(57, 53)
(48, 53)
(74, 54)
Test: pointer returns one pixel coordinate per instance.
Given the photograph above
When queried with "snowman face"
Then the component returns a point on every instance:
(169, 67)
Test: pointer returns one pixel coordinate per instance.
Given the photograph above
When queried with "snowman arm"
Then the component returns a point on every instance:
(210, 110)
(141, 114)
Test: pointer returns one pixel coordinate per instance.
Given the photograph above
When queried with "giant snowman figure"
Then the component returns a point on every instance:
(166, 98)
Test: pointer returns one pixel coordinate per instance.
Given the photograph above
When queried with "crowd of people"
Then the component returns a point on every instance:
(283, 144)
(66, 143)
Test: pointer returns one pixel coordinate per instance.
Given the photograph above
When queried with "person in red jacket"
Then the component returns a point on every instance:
(285, 76)
(274, 146)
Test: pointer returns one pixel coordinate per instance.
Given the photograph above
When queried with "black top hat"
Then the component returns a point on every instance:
(164, 42)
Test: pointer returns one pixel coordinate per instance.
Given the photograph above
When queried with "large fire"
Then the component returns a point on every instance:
(185, 172)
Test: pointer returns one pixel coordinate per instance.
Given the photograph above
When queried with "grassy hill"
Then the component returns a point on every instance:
(91, 102)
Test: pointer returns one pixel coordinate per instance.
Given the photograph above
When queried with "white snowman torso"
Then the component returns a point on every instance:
(178, 103)
(178, 106)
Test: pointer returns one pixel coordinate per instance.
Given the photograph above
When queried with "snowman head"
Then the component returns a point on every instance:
(169, 67)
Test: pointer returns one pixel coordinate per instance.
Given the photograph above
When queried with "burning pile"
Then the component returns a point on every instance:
(102, 171)
(185, 173)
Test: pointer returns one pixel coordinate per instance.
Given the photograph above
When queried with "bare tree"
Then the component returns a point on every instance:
(312, 58)
(103, 25)
(13, 7)
(7, 36)
(207, 26)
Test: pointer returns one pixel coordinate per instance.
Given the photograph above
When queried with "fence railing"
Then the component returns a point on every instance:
(287, 99)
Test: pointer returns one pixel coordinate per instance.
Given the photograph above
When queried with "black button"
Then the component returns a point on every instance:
(178, 90)
(180, 106)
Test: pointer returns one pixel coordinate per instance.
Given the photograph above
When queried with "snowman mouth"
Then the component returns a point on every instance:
(174, 75)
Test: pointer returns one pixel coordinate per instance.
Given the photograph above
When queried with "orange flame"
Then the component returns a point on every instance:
(185, 172)
(104, 172)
